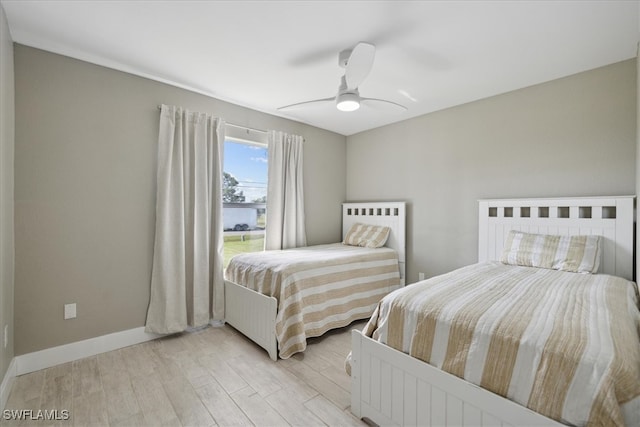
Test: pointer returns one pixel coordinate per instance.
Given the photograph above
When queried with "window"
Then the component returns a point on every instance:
(244, 194)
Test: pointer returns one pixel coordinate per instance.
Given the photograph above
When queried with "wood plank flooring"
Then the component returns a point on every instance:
(211, 377)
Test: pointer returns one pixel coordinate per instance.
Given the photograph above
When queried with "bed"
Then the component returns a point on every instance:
(278, 299)
(492, 350)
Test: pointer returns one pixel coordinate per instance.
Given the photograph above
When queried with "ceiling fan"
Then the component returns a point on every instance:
(357, 63)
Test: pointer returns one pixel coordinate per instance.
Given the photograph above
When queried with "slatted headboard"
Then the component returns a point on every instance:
(610, 217)
(390, 214)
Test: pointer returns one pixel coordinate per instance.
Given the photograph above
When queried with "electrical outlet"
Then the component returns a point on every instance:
(70, 311)
(6, 336)
(420, 276)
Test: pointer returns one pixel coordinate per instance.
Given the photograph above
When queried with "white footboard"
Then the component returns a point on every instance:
(392, 388)
(253, 314)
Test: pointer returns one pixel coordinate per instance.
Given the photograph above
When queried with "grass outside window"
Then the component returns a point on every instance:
(238, 244)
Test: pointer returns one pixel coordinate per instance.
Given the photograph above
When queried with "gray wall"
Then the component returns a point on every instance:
(574, 136)
(6, 192)
(85, 192)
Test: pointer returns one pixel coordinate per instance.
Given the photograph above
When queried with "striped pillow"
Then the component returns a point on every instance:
(578, 254)
(368, 236)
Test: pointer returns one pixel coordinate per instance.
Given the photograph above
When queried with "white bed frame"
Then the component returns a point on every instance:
(391, 388)
(254, 314)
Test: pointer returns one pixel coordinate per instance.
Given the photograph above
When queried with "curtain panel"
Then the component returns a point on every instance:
(285, 193)
(187, 285)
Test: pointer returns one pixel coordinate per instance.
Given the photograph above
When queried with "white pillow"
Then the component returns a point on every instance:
(578, 254)
(366, 235)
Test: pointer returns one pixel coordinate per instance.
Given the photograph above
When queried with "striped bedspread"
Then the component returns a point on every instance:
(318, 288)
(565, 345)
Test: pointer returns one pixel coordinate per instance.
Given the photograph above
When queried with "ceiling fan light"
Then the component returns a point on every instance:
(348, 102)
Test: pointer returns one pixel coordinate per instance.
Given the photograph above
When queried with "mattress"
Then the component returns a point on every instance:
(565, 345)
(318, 288)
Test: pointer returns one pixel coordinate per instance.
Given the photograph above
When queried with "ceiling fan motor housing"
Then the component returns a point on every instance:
(348, 101)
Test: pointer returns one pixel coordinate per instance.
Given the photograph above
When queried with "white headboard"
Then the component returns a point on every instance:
(610, 217)
(390, 214)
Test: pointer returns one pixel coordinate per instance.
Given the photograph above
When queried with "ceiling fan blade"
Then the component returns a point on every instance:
(299, 104)
(359, 64)
(374, 101)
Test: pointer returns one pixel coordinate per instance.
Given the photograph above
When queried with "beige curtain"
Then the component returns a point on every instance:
(285, 192)
(187, 287)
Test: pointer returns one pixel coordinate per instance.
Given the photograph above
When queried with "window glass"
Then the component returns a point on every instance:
(244, 197)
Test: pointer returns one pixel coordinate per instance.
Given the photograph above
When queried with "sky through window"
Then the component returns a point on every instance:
(247, 163)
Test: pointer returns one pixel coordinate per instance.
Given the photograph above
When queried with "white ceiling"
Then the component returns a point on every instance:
(430, 55)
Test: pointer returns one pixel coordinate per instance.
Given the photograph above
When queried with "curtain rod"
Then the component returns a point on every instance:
(234, 125)
(245, 127)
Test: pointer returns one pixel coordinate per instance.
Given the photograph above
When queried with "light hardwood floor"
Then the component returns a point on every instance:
(213, 376)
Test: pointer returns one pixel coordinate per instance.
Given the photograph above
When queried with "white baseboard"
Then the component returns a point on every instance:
(7, 382)
(49, 357)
